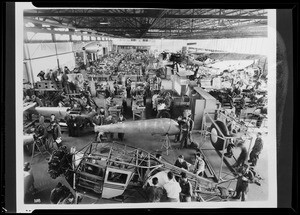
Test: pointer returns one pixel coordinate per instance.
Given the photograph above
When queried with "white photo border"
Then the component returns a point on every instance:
(271, 139)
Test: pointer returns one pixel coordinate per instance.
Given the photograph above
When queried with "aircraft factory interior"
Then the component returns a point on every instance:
(145, 105)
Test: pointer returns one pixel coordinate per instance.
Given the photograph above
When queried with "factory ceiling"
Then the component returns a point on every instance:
(156, 23)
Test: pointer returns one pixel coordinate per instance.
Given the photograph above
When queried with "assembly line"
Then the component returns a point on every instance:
(227, 123)
(131, 108)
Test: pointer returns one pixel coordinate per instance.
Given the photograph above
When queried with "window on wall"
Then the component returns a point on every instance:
(62, 37)
(86, 38)
(38, 36)
(76, 37)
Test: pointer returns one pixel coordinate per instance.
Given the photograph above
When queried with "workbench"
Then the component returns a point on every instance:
(116, 110)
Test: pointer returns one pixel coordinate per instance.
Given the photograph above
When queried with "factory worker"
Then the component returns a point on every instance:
(172, 188)
(55, 131)
(154, 192)
(256, 150)
(186, 189)
(245, 176)
(184, 134)
(41, 75)
(120, 120)
(243, 155)
(181, 163)
(199, 166)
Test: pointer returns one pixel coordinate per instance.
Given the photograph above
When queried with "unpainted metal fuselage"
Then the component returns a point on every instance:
(162, 126)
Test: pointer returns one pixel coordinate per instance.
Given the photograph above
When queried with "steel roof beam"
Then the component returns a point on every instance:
(160, 15)
(167, 16)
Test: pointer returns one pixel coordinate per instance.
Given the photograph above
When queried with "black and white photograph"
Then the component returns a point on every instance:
(145, 108)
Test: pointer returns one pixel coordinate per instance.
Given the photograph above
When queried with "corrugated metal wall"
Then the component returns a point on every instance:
(236, 45)
(46, 56)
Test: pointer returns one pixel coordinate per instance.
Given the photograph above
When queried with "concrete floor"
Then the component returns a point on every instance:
(153, 144)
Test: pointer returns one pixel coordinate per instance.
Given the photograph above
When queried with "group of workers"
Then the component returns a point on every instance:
(171, 191)
(242, 158)
(186, 125)
(101, 119)
(199, 164)
(176, 189)
(48, 134)
(67, 85)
